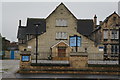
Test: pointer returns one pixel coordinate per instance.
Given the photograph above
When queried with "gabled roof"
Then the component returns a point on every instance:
(58, 7)
(85, 26)
(110, 16)
(31, 29)
(59, 43)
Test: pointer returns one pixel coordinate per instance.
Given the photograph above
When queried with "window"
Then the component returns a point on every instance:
(105, 34)
(114, 48)
(114, 18)
(61, 22)
(114, 34)
(61, 35)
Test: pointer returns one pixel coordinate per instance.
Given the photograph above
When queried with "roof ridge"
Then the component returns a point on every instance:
(65, 7)
(85, 19)
(35, 18)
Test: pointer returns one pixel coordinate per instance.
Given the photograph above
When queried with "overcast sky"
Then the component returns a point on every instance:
(14, 11)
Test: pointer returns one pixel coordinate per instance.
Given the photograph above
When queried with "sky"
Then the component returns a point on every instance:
(12, 12)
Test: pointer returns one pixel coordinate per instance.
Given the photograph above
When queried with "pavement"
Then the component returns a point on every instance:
(8, 68)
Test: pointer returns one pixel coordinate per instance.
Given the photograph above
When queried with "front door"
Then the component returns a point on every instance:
(61, 52)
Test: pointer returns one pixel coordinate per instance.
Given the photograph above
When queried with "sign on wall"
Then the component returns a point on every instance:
(101, 48)
(75, 41)
(25, 58)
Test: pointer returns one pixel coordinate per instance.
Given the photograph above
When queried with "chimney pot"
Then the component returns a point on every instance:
(19, 22)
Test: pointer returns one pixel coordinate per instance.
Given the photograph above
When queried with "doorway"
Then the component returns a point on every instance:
(61, 51)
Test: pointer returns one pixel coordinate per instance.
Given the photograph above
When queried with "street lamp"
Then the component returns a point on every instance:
(76, 43)
(119, 48)
(36, 35)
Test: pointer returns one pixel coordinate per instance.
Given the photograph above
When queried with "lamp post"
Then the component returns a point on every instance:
(36, 35)
(119, 48)
(76, 42)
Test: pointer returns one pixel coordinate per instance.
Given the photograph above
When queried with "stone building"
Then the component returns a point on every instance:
(108, 34)
(61, 36)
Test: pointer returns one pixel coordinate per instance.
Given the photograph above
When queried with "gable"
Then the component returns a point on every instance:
(61, 9)
(111, 16)
(61, 43)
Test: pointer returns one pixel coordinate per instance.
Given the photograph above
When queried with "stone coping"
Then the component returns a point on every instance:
(79, 54)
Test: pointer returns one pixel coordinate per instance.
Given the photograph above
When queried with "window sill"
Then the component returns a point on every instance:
(61, 39)
(61, 26)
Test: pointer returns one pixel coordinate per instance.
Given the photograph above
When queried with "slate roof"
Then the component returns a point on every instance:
(21, 32)
(85, 27)
(31, 29)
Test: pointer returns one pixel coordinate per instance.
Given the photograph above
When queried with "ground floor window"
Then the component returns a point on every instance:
(111, 51)
(114, 50)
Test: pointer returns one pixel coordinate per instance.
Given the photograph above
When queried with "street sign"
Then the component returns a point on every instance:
(101, 48)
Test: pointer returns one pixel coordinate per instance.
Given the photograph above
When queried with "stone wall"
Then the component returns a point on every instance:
(78, 61)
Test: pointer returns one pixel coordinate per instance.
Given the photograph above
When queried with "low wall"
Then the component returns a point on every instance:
(95, 56)
(103, 62)
(78, 61)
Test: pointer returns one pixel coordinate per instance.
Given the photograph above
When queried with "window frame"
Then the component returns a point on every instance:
(61, 22)
(105, 37)
(114, 35)
(61, 36)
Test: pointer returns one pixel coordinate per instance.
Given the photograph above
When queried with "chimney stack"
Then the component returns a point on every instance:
(100, 22)
(95, 21)
(19, 22)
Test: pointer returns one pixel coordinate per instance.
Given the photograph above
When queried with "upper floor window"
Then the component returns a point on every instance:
(114, 18)
(105, 34)
(114, 34)
(61, 22)
(61, 35)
